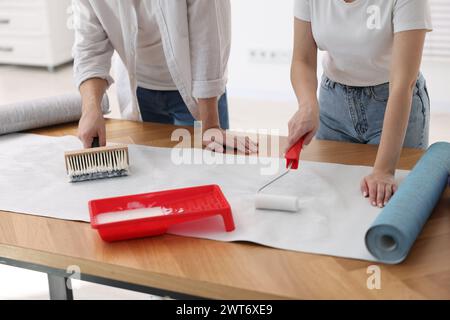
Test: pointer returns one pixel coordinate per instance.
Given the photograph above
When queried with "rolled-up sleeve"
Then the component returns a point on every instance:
(210, 42)
(92, 50)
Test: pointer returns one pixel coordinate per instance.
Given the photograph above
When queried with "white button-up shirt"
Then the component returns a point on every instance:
(196, 36)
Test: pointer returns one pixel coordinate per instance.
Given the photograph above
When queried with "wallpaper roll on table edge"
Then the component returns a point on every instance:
(394, 231)
(44, 112)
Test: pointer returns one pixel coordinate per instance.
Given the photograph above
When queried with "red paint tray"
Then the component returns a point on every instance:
(128, 217)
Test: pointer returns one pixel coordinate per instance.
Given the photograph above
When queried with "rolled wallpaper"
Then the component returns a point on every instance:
(40, 113)
(395, 230)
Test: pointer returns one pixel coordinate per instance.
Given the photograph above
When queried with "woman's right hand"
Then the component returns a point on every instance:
(92, 125)
(304, 124)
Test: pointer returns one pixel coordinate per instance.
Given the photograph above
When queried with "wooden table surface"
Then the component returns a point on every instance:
(221, 270)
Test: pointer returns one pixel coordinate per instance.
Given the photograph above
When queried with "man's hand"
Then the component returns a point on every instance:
(92, 125)
(219, 140)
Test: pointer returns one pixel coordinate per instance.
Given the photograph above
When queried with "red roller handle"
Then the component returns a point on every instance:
(293, 155)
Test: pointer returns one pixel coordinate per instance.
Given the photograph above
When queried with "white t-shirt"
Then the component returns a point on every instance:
(358, 37)
(152, 70)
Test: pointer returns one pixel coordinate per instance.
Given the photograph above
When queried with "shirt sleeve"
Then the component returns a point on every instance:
(210, 43)
(92, 50)
(302, 10)
(412, 15)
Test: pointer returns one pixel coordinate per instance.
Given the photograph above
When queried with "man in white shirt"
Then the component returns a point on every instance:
(174, 54)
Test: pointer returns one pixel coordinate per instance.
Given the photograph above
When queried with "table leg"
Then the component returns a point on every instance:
(59, 288)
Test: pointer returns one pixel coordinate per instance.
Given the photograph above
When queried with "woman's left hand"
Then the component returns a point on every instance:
(379, 187)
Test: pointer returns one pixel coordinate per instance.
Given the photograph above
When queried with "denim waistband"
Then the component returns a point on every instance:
(332, 84)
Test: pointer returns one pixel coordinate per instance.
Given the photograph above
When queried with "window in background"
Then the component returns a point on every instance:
(438, 42)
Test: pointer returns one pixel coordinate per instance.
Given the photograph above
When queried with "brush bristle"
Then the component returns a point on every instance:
(107, 163)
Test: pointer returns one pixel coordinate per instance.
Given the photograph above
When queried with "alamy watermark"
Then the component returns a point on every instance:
(188, 149)
(374, 280)
(374, 19)
(75, 274)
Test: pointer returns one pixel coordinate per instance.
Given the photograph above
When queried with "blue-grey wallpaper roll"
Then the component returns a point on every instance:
(395, 230)
(42, 113)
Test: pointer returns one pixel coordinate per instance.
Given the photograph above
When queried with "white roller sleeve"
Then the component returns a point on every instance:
(40, 113)
(276, 202)
(129, 215)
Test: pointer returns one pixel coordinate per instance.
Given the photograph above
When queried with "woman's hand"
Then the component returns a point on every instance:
(218, 140)
(379, 187)
(407, 54)
(304, 124)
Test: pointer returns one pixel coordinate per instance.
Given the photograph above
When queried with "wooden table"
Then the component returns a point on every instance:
(187, 267)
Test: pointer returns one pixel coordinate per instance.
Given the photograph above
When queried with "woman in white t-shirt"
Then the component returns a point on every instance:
(372, 90)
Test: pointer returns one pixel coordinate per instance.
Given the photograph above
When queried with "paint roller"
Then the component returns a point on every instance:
(277, 202)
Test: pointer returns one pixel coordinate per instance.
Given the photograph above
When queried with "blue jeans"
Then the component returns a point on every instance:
(356, 114)
(168, 107)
